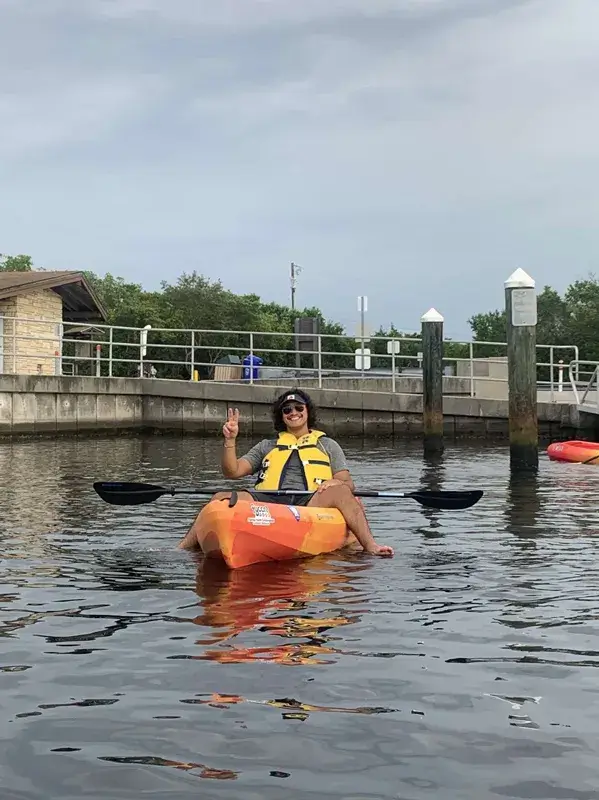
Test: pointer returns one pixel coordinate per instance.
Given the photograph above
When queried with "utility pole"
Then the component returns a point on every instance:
(362, 308)
(295, 270)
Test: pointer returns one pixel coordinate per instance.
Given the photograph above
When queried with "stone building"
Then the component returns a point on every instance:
(33, 308)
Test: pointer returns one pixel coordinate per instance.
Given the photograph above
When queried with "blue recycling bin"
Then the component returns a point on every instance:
(255, 362)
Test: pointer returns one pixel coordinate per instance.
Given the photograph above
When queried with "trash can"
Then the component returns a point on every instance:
(227, 368)
(256, 362)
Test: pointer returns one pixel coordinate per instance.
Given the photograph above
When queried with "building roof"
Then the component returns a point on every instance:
(80, 303)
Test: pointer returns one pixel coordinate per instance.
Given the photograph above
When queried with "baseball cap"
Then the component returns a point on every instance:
(298, 396)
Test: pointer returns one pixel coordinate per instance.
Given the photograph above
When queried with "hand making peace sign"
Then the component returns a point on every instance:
(231, 426)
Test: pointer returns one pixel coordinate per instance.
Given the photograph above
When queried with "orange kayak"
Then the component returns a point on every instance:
(252, 532)
(575, 451)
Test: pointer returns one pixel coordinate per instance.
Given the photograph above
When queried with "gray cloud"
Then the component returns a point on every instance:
(415, 151)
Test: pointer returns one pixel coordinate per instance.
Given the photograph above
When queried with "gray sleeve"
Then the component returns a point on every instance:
(336, 454)
(256, 454)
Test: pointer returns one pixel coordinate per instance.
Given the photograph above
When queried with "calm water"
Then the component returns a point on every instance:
(463, 668)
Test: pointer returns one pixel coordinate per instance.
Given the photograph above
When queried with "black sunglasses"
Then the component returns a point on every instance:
(289, 409)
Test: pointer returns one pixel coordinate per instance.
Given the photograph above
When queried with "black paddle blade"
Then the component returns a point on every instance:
(129, 494)
(447, 500)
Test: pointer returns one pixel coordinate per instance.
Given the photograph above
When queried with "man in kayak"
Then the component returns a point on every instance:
(301, 458)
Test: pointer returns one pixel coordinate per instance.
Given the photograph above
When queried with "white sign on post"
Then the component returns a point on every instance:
(362, 358)
(524, 307)
(363, 353)
(143, 340)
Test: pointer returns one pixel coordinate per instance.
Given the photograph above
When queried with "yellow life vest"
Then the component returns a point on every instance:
(316, 464)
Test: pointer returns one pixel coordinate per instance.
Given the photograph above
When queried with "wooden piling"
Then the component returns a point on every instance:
(521, 322)
(432, 381)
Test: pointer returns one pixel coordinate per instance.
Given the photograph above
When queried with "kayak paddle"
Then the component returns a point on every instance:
(134, 494)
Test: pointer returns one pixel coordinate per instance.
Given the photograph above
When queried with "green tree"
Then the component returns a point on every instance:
(222, 320)
(582, 303)
(127, 305)
(566, 321)
(20, 263)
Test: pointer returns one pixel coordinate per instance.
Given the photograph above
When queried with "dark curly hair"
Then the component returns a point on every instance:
(277, 409)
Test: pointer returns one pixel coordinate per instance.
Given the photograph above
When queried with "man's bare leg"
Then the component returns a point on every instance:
(342, 498)
(190, 540)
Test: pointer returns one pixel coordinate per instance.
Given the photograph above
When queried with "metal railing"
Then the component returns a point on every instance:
(45, 346)
(583, 388)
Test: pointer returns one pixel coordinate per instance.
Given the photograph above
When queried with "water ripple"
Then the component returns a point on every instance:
(462, 668)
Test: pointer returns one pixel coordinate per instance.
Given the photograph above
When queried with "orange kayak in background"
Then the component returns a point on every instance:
(574, 451)
(250, 532)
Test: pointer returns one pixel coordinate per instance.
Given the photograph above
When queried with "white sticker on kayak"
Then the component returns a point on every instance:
(295, 512)
(261, 516)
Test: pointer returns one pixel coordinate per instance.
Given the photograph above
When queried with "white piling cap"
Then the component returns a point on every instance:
(432, 315)
(519, 280)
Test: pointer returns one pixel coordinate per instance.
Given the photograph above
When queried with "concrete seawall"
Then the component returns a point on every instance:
(45, 405)
(403, 384)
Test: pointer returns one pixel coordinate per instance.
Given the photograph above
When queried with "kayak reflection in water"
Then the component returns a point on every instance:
(301, 458)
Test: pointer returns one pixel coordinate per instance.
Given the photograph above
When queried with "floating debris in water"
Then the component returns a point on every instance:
(515, 701)
(15, 668)
(522, 721)
(65, 749)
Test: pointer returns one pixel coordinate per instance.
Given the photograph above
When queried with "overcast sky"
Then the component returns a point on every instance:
(416, 151)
